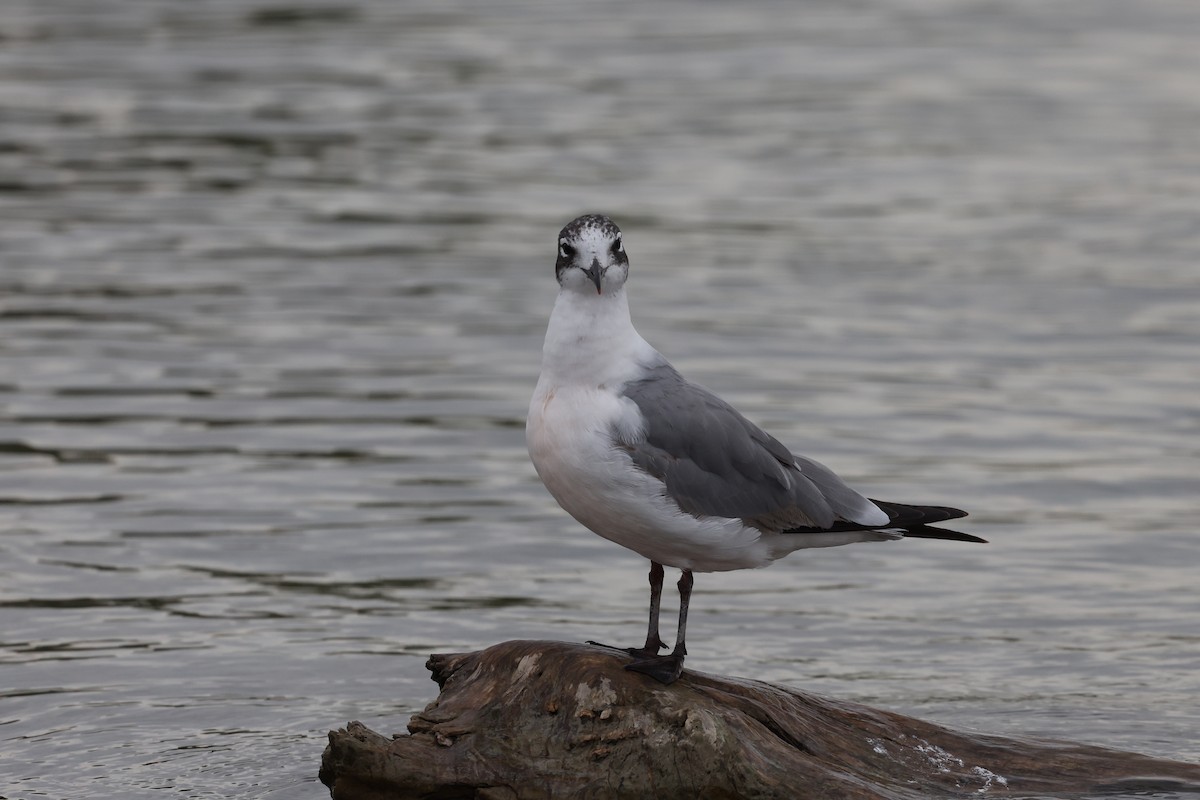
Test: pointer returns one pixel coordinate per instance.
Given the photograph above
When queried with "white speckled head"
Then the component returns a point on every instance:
(591, 256)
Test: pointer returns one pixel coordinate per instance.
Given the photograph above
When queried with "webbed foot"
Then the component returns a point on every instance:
(637, 652)
(664, 669)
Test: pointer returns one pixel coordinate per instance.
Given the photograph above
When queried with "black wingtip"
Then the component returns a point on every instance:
(911, 521)
(904, 515)
(929, 532)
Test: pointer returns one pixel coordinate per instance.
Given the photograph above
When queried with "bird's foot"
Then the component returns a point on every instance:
(637, 652)
(664, 669)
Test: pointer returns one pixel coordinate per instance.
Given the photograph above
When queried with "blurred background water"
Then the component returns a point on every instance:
(273, 285)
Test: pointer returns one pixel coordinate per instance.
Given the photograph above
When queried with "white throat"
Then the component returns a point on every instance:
(591, 340)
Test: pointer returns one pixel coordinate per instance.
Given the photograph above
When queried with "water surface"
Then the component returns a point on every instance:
(273, 285)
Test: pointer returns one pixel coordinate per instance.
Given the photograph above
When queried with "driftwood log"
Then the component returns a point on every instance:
(554, 720)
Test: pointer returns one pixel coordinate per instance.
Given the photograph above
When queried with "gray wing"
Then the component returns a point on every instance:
(715, 462)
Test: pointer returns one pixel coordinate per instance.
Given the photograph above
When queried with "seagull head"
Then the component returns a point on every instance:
(591, 256)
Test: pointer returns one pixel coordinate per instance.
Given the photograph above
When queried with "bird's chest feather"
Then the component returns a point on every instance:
(570, 438)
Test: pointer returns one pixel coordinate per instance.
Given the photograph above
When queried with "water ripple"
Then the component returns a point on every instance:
(275, 282)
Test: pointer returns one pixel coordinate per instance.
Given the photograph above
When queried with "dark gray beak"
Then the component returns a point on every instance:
(595, 273)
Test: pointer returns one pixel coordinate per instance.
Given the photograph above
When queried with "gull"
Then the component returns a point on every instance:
(643, 457)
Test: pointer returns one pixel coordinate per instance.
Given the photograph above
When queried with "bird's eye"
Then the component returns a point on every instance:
(565, 250)
(618, 247)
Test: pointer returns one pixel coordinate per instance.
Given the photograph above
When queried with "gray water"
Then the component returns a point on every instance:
(274, 280)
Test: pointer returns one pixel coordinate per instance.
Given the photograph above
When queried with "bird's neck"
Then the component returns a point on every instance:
(591, 340)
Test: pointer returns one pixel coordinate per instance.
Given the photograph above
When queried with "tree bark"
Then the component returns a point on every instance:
(536, 720)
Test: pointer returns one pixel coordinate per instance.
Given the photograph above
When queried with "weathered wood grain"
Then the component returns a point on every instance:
(525, 720)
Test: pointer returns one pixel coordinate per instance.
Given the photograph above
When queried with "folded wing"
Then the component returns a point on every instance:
(715, 462)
